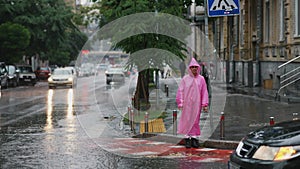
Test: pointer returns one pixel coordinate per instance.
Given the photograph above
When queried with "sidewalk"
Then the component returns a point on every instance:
(235, 125)
(170, 135)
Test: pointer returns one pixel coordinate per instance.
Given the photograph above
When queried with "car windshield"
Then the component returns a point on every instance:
(62, 72)
(25, 69)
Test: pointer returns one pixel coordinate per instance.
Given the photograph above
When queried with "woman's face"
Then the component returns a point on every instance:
(194, 70)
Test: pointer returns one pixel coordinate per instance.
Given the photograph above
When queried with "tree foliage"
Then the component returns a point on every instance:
(112, 10)
(14, 38)
(87, 14)
(50, 25)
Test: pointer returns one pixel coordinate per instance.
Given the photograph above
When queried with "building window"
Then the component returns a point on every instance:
(281, 31)
(297, 18)
(267, 22)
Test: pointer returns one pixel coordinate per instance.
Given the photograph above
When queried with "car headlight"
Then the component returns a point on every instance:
(50, 79)
(70, 79)
(277, 153)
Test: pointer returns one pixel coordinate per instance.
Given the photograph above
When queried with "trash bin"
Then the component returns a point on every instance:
(268, 84)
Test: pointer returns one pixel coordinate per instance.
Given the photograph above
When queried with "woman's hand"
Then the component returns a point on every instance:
(205, 109)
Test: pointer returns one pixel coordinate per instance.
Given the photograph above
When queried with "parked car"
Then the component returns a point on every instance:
(13, 75)
(43, 73)
(27, 76)
(3, 75)
(62, 77)
(276, 146)
(115, 75)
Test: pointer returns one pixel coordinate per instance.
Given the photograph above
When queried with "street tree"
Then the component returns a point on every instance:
(112, 10)
(50, 25)
(14, 39)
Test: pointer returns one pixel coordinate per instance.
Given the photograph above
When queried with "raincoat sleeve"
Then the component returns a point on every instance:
(204, 94)
(179, 95)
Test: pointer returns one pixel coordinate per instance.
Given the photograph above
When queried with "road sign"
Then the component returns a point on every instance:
(223, 7)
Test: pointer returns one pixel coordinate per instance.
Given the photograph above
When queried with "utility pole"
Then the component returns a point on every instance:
(206, 54)
(205, 23)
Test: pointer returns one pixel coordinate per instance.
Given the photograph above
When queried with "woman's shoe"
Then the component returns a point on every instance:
(188, 142)
(195, 143)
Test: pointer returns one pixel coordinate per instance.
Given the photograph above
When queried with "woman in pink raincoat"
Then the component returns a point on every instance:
(192, 96)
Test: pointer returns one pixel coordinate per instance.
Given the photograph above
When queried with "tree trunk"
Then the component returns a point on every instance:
(141, 96)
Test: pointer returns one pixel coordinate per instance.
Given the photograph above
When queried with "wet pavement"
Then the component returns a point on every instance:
(245, 109)
(88, 130)
(82, 128)
(250, 108)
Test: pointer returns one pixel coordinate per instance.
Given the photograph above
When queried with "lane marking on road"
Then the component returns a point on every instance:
(156, 143)
(206, 149)
(118, 149)
(144, 153)
(209, 160)
(176, 146)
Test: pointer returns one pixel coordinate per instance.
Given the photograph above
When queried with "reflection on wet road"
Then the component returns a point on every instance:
(39, 129)
(60, 128)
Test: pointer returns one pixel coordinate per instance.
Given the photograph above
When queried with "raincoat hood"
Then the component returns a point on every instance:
(194, 63)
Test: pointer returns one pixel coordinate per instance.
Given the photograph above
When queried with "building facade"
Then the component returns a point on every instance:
(261, 45)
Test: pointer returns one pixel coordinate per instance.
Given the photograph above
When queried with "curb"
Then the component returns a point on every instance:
(210, 143)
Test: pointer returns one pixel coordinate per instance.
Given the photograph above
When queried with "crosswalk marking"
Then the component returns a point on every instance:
(135, 147)
(223, 5)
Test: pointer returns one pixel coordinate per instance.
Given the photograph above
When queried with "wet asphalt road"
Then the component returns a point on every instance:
(63, 128)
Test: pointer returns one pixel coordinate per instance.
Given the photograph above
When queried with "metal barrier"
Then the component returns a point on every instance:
(129, 114)
(167, 90)
(222, 126)
(132, 124)
(174, 122)
(272, 122)
(146, 122)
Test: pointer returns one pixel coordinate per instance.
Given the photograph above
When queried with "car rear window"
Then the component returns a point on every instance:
(25, 69)
(44, 68)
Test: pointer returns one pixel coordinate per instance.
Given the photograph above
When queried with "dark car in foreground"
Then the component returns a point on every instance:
(276, 146)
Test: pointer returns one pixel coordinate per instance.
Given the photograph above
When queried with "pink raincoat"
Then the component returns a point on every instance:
(191, 96)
